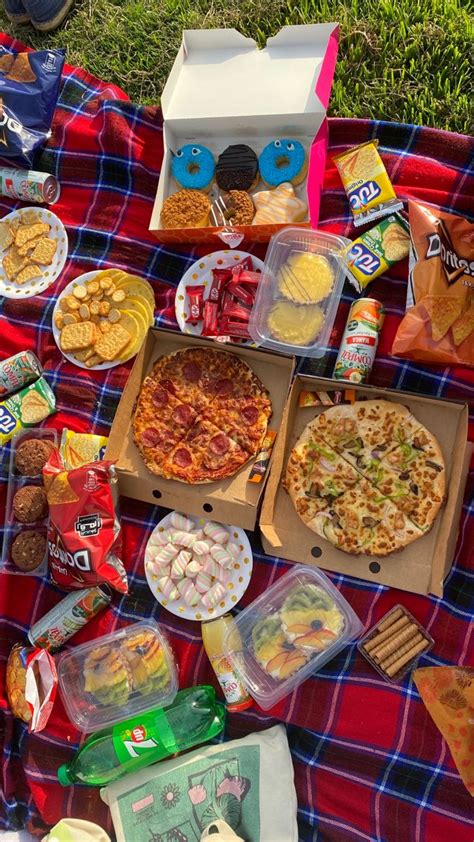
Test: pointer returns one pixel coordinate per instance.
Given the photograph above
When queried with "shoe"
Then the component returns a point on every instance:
(46, 15)
(16, 12)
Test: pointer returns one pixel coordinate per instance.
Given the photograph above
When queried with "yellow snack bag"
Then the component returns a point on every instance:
(366, 182)
(79, 449)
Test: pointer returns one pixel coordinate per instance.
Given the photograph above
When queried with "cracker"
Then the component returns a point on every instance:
(13, 263)
(30, 232)
(84, 312)
(28, 273)
(92, 287)
(95, 308)
(79, 292)
(396, 249)
(119, 295)
(104, 308)
(14, 224)
(34, 408)
(44, 251)
(72, 302)
(28, 247)
(70, 319)
(105, 325)
(111, 344)
(59, 320)
(21, 69)
(84, 355)
(78, 336)
(114, 315)
(6, 236)
(30, 217)
(94, 360)
(443, 311)
(463, 327)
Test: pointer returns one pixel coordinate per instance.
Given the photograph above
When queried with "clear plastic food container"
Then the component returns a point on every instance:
(117, 676)
(298, 295)
(288, 633)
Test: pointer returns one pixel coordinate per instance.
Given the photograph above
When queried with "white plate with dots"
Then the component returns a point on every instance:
(240, 574)
(200, 273)
(11, 289)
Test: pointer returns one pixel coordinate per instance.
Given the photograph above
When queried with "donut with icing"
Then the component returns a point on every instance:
(237, 168)
(193, 167)
(283, 160)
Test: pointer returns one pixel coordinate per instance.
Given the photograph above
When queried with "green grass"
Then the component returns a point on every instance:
(406, 60)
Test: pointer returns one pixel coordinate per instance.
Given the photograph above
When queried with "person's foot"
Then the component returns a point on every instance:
(46, 15)
(16, 11)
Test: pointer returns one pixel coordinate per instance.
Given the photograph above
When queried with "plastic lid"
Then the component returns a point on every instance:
(63, 775)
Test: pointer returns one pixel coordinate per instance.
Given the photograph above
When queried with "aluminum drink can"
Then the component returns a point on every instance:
(359, 343)
(68, 616)
(18, 371)
(29, 185)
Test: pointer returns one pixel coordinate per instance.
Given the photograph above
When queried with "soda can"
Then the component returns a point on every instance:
(29, 185)
(359, 343)
(18, 371)
(68, 616)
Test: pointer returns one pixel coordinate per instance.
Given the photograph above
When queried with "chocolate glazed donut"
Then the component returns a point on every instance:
(237, 168)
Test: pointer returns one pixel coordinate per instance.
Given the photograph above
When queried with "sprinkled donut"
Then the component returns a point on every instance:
(193, 167)
(283, 160)
(239, 207)
(237, 168)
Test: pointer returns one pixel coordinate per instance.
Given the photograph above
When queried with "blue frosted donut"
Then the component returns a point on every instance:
(193, 166)
(282, 160)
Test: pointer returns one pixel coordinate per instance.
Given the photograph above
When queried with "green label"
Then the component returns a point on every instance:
(144, 734)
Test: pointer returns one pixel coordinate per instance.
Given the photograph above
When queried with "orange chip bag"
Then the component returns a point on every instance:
(438, 326)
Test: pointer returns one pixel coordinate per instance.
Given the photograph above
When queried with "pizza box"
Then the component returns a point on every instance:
(223, 89)
(420, 567)
(233, 500)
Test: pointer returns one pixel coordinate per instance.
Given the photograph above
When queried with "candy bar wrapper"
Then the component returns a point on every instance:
(366, 182)
(210, 318)
(376, 250)
(84, 534)
(25, 409)
(40, 688)
(196, 296)
(79, 449)
(326, 398)
(260, 466)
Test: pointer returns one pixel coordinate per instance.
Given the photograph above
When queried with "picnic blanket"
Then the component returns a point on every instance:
(369, 762)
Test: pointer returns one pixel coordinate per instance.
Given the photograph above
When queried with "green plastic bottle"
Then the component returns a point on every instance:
(194, 717)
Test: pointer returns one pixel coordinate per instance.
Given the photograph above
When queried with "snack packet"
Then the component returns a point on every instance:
(78, 449)
(25, 409)
(438, 326)
(376, 250)
(366, 182)
(29, 89)
(31, 683)
(84, 535)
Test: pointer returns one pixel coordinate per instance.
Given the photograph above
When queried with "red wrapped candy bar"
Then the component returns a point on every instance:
(195, 295)
(211, 310)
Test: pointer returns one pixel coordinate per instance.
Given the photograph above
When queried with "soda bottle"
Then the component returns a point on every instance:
(194, 717)
(213, 631)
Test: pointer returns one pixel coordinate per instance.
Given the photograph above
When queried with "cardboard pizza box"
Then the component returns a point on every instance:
(233, 500)
(421, 566)
(223, 89)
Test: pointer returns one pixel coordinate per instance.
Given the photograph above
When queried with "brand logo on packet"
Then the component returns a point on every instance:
(7, 421)
(440, 245)
(138, 734)
(365, 194)
(87, 525)
(361, 257)
(79, 559)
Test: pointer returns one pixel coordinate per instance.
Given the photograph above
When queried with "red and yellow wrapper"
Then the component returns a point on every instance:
(366, 182)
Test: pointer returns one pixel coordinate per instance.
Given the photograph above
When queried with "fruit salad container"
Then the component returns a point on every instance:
(299, 293)
(117, 676)
(288, 633)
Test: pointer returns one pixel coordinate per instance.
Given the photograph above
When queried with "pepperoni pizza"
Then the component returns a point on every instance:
(201, 415)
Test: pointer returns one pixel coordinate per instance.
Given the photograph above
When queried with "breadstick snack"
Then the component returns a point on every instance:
(393, 645)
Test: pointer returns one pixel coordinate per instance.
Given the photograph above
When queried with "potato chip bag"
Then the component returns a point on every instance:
(84, 534)
(438, 326)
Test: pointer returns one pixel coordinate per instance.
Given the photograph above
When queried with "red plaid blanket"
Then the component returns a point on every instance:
(369, 763)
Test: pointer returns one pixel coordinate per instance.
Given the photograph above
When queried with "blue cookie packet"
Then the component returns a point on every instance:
(29, 90)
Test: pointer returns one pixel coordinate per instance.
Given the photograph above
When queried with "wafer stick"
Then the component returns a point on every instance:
(408, 656)
(379, 638)
(393, 645)
(387, 662)
(385, 624)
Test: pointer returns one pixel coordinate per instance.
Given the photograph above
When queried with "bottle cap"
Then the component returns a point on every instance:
(63, 775)
(238, 706)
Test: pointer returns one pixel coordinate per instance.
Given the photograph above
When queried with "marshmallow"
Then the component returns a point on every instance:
(212, 597)
(168, 588)
(217, 532)
(192, 569)
(180, 563)
(212, 568)
(158, 569)
(184, 539)
(166, 554)
(203, 582)
(188, 592)
(181, 522)
(200, 548)
(221, 556)
(233, 550)
(159, 538)
(222, 575)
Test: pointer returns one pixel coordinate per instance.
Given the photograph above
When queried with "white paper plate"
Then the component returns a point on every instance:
(239, 577)
(10, 289)
(201, 273)
(82, 279)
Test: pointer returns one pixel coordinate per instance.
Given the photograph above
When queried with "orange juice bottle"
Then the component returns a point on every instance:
(213, 632)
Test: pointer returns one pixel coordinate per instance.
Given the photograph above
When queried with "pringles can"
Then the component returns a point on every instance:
(68, 616)
(29, 185)
(359, 343)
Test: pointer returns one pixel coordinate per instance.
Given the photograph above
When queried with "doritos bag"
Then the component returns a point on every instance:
(84, 536)
(438, 326)
(29, 89)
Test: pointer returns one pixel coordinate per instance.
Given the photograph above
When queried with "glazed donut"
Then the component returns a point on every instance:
(283, 160)
(186, 209)
(237, 168)
(193, 167)
(239, 207)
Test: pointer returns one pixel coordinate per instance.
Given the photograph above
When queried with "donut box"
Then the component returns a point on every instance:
(225, 92)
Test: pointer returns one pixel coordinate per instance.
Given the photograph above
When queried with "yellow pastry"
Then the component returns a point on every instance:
(280, 205)
(306, 278)
(295, 324)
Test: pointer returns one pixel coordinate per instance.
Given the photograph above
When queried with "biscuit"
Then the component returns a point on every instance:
(30, 232)
(79, 292)
(44, 251)
(28, 550)
(30, 217)
(110, 345)
(31, 456)
(13, 263)
(28, 247)
(34, 408)
(6, 235)
(28, 273)
(30, 504)
(77, 336)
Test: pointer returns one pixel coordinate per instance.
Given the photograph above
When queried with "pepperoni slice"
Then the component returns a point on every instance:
(184, 414)
(160, 397)
(219, 444)
(150, 437)
(250, 414)
(168, 385)
(182, 458)
(223, 387)
(192, 372)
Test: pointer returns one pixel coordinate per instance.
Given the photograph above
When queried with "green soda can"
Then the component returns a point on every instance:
(68, 616)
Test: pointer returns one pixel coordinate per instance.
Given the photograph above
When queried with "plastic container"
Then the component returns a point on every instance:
(117, 676)
(300, 294)
(14, 527)
(288, 633)
(384, 624)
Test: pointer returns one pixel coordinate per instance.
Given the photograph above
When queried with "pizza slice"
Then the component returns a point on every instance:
(362, 521)
(159, 423)
(244, 419)
(186, 375)
(206, 454)
(316, 476)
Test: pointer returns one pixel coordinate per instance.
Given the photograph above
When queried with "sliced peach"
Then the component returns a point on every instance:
(298, 628)
(277, 662)
(291, 666)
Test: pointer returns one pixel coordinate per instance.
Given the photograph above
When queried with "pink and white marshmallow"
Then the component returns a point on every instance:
(193, 569)
(181, 522)
(212, 568)
(184, 539)
(166, 554)
(168, 588)
(200, 548)
(233, 549)
(217, 532)
(220, 555)
(188, 592)
(214, 596)
(180, 563)
(203, 581)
